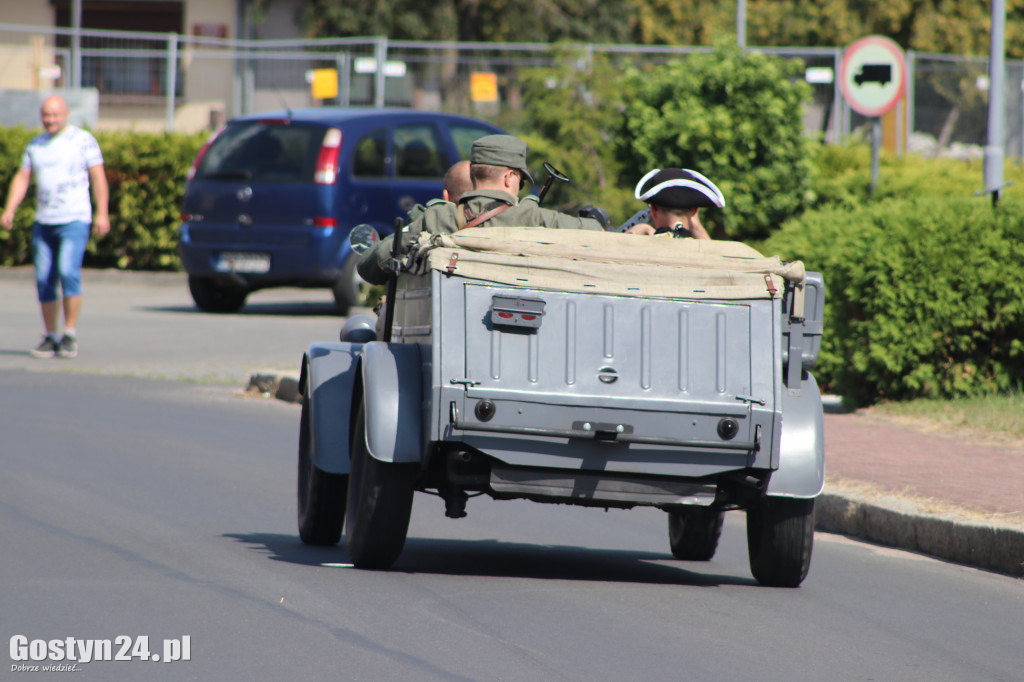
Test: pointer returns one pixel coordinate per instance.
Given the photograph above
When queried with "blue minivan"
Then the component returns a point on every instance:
(270, 198)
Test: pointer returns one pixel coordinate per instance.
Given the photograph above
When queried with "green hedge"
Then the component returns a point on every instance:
(15, 244)
(842, 176)
(146, 173)
(925, 296)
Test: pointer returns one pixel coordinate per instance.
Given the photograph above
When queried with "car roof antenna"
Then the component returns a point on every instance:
(284, 103)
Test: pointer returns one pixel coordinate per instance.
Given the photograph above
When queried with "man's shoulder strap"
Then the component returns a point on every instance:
(467, 219)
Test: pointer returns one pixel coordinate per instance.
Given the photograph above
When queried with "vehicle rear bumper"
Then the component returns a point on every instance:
(315, 263)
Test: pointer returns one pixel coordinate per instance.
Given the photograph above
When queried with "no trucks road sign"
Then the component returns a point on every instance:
(873, 75)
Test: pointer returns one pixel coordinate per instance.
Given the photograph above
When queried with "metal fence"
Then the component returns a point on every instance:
(174, 82)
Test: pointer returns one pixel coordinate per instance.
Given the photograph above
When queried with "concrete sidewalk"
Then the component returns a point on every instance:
(951, 497)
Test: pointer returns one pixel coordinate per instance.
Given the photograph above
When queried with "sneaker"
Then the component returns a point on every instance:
(46, 349)
(68, 347)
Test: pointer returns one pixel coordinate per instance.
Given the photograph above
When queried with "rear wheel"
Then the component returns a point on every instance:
(216, 298)
(348, 288)
(780, 536)
(693, 532)
(321, 496)
(379, 504)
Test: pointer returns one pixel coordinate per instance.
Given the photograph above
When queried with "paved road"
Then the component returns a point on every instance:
(144, 325)
(166, 509)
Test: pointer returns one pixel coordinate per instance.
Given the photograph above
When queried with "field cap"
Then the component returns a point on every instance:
(678, 188)
(501, 150)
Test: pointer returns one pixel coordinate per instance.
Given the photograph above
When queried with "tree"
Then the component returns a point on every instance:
(572, 111)
(682, 22)
(941, 26)
(597, 21)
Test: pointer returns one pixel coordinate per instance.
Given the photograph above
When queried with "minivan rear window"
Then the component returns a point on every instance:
(419, 151)
(257, 151)
(370, 157)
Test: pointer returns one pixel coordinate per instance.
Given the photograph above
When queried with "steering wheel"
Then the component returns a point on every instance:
(555, 173)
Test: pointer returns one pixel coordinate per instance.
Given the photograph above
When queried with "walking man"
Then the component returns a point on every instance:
(66, 162)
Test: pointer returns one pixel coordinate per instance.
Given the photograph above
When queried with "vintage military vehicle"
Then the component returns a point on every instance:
(574, 367)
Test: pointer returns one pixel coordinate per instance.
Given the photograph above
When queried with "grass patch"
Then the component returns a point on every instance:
(990, 418)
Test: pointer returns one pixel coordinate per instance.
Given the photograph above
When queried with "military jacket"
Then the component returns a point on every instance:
(444, 218)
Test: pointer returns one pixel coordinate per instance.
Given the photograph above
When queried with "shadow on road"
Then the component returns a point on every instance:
(289, 548)
(490, 558)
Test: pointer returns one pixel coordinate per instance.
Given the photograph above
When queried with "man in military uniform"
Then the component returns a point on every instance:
(456, 183)
(498, 170)
(675, 196)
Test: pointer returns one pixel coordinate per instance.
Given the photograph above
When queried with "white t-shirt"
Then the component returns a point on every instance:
(60, 164)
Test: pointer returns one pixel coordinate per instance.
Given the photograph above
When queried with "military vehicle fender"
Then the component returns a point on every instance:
(801, 471)
(392, 375)
(329, 374)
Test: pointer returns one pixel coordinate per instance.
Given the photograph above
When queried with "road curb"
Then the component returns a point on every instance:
(281, 386)
(901, 523)
(885, 520)
(161, 278)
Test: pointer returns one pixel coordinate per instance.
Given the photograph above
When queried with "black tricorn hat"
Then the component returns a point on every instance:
(678, 188)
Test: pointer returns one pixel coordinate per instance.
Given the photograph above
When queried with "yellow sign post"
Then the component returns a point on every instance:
(324, 83)
(483, 87)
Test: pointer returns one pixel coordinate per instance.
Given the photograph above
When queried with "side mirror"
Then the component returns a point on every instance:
(362, 238)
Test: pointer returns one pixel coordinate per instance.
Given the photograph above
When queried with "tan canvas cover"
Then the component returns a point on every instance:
(606, 262)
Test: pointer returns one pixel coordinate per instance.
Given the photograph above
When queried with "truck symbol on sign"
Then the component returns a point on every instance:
(874, 73)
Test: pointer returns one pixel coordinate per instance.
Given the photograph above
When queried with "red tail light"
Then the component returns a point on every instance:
(202, 151)
(327, 162)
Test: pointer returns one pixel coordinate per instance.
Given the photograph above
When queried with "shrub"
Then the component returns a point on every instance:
(735, 117)
(15, 244)
(842, 176)
(925, 295)
(572, 111)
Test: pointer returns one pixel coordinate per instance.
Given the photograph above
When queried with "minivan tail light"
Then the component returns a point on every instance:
(324, 221)
(327, 162)
(202, 152)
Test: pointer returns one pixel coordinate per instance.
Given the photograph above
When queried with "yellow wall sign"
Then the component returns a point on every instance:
(483, 87)
(325, 83)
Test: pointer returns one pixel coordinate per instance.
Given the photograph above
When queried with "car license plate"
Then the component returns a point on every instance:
(232, 261)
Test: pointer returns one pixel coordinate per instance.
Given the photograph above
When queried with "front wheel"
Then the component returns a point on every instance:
(321, 496)
(212, 297)
(693, 532)
(379, 504)
(780, 536)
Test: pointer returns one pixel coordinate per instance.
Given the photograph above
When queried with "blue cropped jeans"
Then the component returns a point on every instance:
(58, 251)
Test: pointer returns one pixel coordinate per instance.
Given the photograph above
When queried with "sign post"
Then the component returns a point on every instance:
(873, 78)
